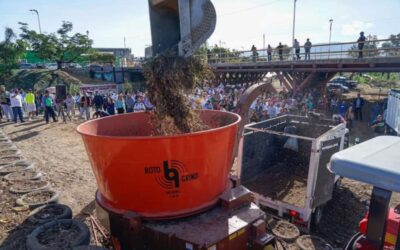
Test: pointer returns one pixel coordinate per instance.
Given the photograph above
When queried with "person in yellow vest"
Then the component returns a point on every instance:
(30, 104)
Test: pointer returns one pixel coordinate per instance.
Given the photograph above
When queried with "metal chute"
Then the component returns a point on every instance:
(181, 25)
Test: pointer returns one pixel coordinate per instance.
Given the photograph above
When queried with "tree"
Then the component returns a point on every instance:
(392, 47)
(60, 47)
(11, 51)
(96, 57)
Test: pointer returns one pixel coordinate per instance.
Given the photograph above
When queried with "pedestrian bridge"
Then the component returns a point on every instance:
(325, 61)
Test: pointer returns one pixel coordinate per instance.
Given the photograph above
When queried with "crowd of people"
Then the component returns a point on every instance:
(17, 104)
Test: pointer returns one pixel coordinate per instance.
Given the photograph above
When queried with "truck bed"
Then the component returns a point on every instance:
(285, 182)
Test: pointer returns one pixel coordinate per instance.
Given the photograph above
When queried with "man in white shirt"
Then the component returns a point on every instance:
(16, 105)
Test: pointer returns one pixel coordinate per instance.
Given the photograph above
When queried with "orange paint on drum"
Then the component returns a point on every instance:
(159, 176)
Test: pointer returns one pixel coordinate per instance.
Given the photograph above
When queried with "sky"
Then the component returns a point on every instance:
(240, 23)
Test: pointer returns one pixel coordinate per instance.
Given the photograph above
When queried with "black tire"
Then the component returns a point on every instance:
(15, 167)
(50, 212)
(54, 198)
(316, 217)
(89, 248)
(82, 237)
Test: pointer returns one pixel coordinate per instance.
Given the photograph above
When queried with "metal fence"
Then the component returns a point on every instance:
(333, 51)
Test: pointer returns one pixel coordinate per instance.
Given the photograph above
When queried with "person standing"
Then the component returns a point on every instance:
(307, 49)
(254, 52)
(98, 101)
(130, 102)
(280, 51)
(120, 104)
(361, 42)
(70, 104)
(49, 107)
(5, 103)
(297, 49)
(30, 104)
(16, 105)
(85, 106)
(139, 105)
(269, 52)
(342, 109)
(358, 103)
(348, 117)
(110, 106)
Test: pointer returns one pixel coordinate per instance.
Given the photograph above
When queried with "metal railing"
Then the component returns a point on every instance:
(318, 52)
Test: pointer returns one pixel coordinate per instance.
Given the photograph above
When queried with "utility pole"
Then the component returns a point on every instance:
(124, 43)
(294, 26)
(37, 13)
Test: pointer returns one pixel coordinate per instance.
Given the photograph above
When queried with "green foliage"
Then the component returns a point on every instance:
(74, 88)
(392, 47)
(128, 87)
(217, 54)
(96, 57)
(11, 50)
(40, 79)
(61, 47)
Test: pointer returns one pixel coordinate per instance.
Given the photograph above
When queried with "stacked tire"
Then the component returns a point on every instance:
(54, 227)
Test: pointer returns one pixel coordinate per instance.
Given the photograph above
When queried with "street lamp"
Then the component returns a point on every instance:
(37, 13)
(294, 25)
(330, 36)
(330, 29)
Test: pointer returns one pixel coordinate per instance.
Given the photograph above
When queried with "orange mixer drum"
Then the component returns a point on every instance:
(159, 176)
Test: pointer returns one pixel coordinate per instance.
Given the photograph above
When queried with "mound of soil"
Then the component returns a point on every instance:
(36, 197)
(8, 152)
(285, 230)
(25, 186)
(9, 159)
(59, 236)
(308, 242)
(23, 175)
(5, 169)
(282, 182)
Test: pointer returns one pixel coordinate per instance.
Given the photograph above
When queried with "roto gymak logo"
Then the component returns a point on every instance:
(171, 176)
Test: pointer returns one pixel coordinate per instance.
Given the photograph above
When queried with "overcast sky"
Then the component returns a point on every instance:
(240, 23)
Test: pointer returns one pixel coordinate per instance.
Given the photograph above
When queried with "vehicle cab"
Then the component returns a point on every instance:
(375, 162)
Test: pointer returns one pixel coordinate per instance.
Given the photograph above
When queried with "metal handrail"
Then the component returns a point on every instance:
(314, 54)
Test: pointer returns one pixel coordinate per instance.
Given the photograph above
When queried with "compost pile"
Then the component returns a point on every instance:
(170, 78)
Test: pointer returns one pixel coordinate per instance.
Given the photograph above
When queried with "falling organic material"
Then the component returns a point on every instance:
(170, 78)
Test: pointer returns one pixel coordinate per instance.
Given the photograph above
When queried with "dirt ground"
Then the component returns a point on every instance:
(58, 151)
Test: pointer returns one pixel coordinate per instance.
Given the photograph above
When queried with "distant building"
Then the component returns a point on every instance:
(148, 52)
(123, 54)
